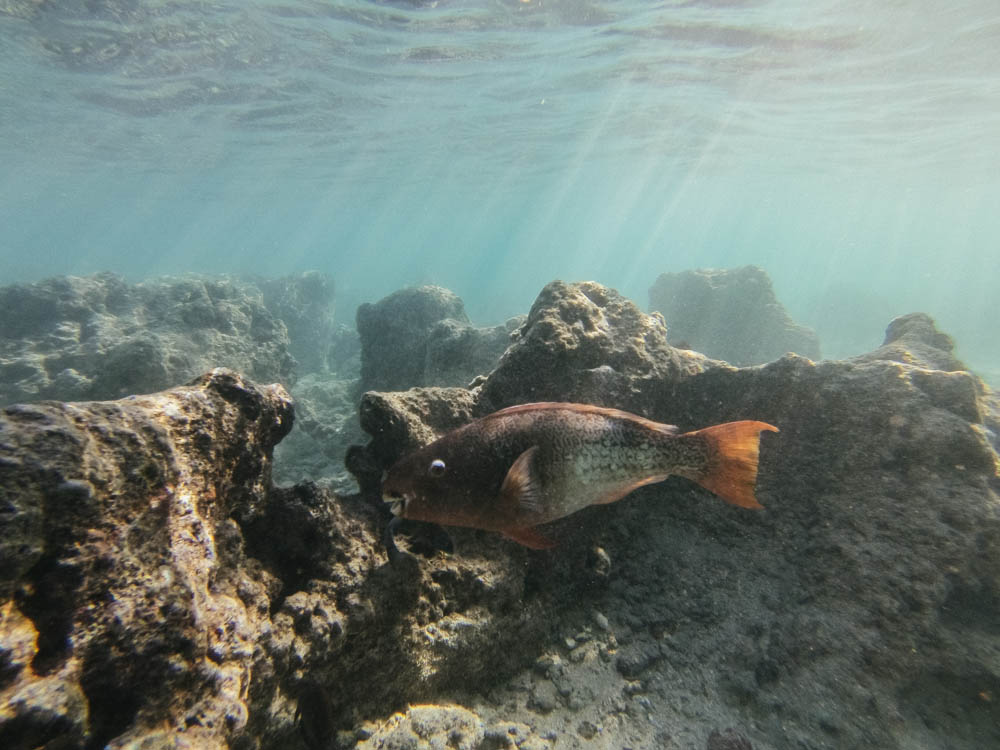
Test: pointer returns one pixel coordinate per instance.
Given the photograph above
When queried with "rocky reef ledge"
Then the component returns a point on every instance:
(159, 592)
(130, 609)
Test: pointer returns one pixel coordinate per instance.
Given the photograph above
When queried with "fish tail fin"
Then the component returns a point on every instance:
(731, 467)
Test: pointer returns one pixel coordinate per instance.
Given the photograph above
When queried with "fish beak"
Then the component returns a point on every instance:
(397, 505)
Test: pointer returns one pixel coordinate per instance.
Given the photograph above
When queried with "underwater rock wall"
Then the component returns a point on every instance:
(129, 612)
(421, 336)
(99, 337)
(857, 609)
(159, 590)
(730, 314)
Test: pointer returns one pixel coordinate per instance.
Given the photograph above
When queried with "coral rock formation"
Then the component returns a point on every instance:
(99, 337)
(128, 609)
(158, 591)
(730, 314)
(864, 585)
(422, 337)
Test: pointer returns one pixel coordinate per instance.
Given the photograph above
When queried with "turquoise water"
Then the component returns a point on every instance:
(852, 149)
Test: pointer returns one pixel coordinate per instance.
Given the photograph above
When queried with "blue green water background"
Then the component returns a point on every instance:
(852, 149)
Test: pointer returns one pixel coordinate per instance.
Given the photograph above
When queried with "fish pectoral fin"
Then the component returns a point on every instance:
(530, 538)
(521, 489)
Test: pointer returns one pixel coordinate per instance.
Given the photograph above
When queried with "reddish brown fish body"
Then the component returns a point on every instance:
(534, 463)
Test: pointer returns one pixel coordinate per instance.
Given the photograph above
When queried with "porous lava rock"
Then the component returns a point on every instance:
(421, 336)
(304, 303)
(99, 337)
(859, 608)
(586, 342)
(128, 610)
(155, 589)
(729, 314)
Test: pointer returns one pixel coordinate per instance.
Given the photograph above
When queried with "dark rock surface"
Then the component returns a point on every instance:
(129, 610)
(100, 337)
(729, 314)
(858, 609)
(157, 592)
(422, 337)
(304, 303)
(585, 342)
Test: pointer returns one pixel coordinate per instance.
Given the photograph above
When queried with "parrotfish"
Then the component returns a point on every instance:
(530, 464)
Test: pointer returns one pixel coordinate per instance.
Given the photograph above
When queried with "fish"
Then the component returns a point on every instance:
(526, 465)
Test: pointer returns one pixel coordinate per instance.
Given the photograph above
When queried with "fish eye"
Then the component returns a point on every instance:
(437, 467)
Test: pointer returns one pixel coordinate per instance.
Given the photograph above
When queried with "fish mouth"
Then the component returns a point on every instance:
(397, 504)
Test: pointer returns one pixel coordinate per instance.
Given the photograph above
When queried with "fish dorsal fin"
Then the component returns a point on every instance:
(666, 429)
(529, 537)
(521, 489)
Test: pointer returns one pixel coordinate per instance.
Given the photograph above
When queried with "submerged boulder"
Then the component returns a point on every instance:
(586, 342)
(157, 590)
(304, 303)
(848, 612)
(421, 336)
(100, 337)
(394, 334)
(128, 607)
(729, 314)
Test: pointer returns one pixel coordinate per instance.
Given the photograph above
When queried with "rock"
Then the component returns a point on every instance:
(141, 607)
(730, 314)
(728, 739)
(345, 352)
(422, 337)
(585, 342)
(636, 658)
(444, 726)
(326, 419)
(394, 335)
(99, 337)
(457, 352)
(428, 726)
(587, 729)
(914, 339)
(873, 555)
(544, 697)
(401, 421)
(304, 303)
(157, 589)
